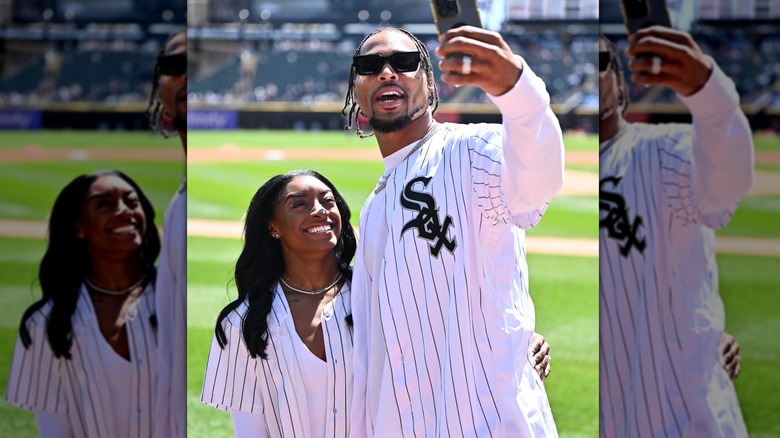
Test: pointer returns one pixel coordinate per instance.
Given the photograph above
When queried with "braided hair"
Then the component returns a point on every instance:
(350, 100)
(155, 109)
(617, 68)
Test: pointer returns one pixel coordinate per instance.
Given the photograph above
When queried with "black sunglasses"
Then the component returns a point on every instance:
(604, 60)
(172, 65)
(402, 62)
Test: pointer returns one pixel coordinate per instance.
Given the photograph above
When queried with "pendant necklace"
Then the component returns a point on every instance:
(428, 135)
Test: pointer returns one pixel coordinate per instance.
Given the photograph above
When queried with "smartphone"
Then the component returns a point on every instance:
(448, 14)
(642, 13)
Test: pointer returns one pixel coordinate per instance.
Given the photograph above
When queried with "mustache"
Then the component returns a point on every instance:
(390, 84)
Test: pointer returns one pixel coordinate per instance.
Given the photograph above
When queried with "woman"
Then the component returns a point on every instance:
(86, 351)
(293, 311)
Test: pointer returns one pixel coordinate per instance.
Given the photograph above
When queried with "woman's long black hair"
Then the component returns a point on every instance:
(351, 101)
(67, 263)
(261, 263)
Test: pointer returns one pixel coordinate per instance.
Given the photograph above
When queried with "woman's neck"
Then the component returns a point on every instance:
(311, 274)
(115, 274)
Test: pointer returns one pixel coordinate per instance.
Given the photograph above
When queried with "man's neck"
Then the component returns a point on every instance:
(391, 142)
(608, 128)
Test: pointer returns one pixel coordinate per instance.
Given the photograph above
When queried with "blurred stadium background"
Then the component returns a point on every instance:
(81, 64)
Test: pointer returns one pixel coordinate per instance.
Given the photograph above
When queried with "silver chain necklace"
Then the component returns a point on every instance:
(428, 135)
(114, 292)
(297, 288)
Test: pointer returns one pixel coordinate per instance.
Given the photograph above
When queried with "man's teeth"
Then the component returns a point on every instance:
(389, 95)
(319, 229)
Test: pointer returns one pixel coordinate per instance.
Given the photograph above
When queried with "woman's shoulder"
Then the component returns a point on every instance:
(236, 316)
(38, 318)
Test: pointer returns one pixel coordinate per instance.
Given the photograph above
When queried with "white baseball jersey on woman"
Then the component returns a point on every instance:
(443, 317)
(79, 387)
(170, 400)
(274, 388)
(663, 190)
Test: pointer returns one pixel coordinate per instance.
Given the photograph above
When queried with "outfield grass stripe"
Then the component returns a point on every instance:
(735, 245)
(765, 183)
(534, 244)
(35, 155)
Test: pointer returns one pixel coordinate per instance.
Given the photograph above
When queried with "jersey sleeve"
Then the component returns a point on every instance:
(35, 382)
(722, 141)
(707, 169)
(231, 375)
(677, 170)
(247, 425)
(53, 425)
(532, 149)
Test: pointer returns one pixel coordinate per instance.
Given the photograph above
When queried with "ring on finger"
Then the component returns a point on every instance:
(465, 66)
(655, 67)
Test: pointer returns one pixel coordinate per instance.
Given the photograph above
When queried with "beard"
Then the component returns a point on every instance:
(385, 126)
(396, 124)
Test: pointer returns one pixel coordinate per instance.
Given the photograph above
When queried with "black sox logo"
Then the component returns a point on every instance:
(616, 219)
(427, 221)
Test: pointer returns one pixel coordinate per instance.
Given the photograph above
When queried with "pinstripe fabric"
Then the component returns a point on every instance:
(78, 387)
(273, 388)
(170, 400)
(442, 336)
(661, 316)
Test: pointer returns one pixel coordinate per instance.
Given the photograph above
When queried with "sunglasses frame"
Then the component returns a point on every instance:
(170, 65)
(393, 60)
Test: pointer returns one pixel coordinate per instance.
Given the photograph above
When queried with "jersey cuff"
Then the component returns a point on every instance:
(718, 96)
(528, 95)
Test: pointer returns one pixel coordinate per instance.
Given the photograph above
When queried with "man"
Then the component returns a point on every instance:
(442, 315)
(168, 107)
(664, 189)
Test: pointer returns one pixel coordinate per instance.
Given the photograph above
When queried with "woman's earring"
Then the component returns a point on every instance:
(275, 235)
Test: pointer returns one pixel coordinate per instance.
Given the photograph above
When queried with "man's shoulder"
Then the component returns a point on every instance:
(474, 135)
(671, 135)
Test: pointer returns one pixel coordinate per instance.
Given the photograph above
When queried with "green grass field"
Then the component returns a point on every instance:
(564, 288)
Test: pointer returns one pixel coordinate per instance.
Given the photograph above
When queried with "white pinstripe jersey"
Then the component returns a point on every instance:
(273, 387)
(442, 313)
(661, 316)
(79, 387)
(170, 400)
